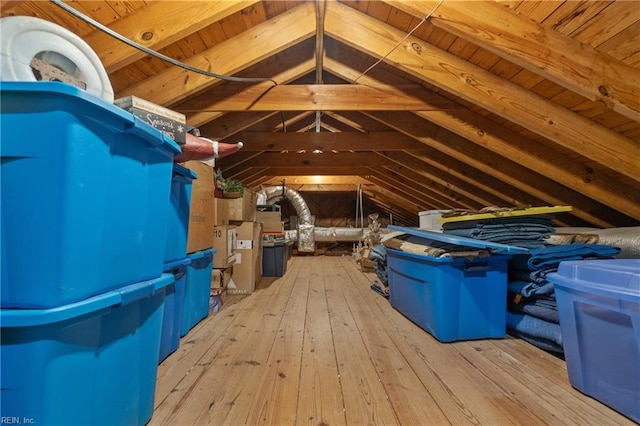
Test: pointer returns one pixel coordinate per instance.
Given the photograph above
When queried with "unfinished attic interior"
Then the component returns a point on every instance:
(338, 124)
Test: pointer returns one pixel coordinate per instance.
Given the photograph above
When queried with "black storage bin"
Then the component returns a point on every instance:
(274, 260)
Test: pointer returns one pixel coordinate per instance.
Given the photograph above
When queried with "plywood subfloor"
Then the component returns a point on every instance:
(319, 347)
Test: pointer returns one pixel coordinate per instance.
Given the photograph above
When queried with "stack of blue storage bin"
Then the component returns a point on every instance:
(197, 289)
(188, 299)
(85, 190)
(175, 257)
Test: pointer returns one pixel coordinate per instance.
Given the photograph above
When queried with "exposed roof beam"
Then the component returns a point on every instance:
(435, 184)
(523, 151)
(497, 166)
(155, 26)
(321, 187)
(444, 179)
(483, 88)
(312, 180)
(338, 141)
(208, 112)
(544, 51)
(232, 123)
(410, 182)
(292, 159)
(312, 97)
(259, 42)
(388, 198)
(414, 198)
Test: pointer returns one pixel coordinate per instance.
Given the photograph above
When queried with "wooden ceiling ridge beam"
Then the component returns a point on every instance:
(155, 26)
(519, 149)
(263, 40)
(523, 41)
(483, 88)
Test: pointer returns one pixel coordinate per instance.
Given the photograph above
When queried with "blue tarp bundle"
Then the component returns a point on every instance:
(522, 231)
(543, 334)
(532, 312)
(550, 257)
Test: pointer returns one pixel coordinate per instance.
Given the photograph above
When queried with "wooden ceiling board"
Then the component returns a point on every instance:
(608, 22)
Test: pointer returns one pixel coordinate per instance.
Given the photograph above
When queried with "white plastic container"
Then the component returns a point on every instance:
(429, 219)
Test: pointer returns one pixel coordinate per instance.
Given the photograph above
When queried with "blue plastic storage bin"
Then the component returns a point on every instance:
(87, 363)
(84, 192)
(173, 305)
(451, 298)
(178, 216)
(197, 289)
(599, 310)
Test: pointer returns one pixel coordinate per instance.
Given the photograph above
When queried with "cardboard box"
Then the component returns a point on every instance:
(243, 209)
(221, 211)
(169, 122)
(220, 278)
(224, 241)
(272, 221)
(247, 271)
(201, 214)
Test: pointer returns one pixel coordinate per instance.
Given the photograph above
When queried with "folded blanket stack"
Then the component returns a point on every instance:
(520, 231)
(378, 255)
(532, 311)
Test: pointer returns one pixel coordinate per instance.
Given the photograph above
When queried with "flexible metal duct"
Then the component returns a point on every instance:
(306, 235)
(331, 234)
(338, 234)
(273, 194)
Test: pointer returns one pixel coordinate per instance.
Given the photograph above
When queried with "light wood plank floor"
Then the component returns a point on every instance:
(319, 347)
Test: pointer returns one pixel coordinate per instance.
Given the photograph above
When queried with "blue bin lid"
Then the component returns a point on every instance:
(92, 305)
(462, 241)
(110, 115)
(168, 266)
(618, 278)
(201, 254)
(182, 171)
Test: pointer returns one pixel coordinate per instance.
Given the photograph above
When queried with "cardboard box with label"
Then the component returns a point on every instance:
(247, 271)
(272, 221)
(201, 212)
(244, 208)
(224, 241)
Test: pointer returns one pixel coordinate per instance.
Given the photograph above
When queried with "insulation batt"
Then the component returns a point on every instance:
(197, 148)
